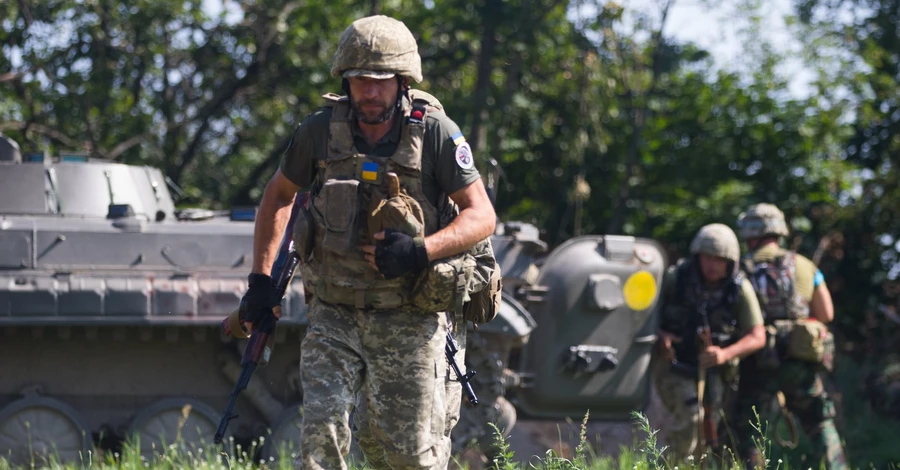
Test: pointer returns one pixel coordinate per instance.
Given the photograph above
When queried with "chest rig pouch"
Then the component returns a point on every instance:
(469, 282)
(358, 195)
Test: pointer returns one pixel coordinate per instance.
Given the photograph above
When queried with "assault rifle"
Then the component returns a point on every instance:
(708, 433)
(257, 346)
(450, 350)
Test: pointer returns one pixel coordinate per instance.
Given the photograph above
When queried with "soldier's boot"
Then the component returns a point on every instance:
(827, 443)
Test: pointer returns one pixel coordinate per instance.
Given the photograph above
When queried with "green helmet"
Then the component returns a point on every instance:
(378, 47)
(761, 220)
(717, 240)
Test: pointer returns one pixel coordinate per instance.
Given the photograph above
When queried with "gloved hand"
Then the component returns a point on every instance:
(399, 254)
(257, 303)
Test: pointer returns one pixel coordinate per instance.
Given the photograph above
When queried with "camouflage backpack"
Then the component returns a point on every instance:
(773, 283)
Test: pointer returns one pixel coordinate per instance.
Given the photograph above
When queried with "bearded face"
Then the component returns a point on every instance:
(373, 100)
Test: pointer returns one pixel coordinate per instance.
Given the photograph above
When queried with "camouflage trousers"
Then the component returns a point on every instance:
(678, 394)
(803, 386)
(375, 455)
(391, 361)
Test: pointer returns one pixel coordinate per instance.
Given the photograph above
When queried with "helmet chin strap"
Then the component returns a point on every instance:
(401, 92)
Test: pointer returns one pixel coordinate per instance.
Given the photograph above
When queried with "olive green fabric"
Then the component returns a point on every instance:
(748, 312)
(440, 172)
(805, 269)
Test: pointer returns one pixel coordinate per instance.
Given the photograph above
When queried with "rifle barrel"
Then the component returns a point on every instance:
(450, 351)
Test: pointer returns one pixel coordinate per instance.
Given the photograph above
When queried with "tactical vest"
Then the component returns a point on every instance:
(348, 186)
(684, 315)
(774, 284)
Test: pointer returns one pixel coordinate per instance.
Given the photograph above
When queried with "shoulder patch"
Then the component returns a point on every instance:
(464, 157)
(458, 138)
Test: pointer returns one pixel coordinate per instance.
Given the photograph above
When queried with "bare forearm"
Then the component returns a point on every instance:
(467, 229)
(821, 305)
(271, 220)
(748, 344)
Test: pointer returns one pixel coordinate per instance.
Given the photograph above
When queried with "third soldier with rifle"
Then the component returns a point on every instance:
(394, 252)
(710, 319)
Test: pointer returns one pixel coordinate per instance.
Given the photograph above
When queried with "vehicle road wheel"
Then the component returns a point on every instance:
(38, 428)
(187, 422)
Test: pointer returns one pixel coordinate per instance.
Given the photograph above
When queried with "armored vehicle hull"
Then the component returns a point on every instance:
(111, 304)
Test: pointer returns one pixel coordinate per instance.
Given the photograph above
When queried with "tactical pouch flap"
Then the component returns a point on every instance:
(484, 304)
(337, 206)
(401, 213)
(807, 341)
(439, 287)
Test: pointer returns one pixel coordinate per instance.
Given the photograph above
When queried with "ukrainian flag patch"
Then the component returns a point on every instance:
(370, 171)
(458, 138)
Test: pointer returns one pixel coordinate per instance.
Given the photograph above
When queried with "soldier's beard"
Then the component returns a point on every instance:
(386, 114)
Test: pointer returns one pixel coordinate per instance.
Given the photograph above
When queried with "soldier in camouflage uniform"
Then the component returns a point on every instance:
(704, 291)
(385, 269)
(799, 350)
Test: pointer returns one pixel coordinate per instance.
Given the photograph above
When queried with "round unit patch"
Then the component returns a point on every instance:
(464, 157)
(639, 290)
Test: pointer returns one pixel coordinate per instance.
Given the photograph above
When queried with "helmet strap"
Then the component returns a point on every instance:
(402, 91)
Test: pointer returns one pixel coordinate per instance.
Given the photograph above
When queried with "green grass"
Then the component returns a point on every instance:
(868, 438)
(644, 455)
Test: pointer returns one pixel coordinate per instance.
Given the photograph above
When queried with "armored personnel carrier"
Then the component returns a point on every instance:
(111, 303)
(110, 308)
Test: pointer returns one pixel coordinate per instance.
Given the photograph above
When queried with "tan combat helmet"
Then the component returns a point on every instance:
(761, 220)
(378, 47)
(717, 240)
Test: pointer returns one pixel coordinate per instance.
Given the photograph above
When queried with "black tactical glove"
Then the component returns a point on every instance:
(399, 254)
(261, 297)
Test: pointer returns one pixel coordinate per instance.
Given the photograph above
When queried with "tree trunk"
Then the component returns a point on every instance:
(483, 75)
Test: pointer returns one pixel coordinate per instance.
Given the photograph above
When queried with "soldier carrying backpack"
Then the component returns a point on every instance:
(799, 351)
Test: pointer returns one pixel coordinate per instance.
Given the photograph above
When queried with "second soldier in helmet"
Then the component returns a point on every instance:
(710, 319)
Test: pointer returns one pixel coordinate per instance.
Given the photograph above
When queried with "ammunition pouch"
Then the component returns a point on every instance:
(335, 211)
(401, 213)
(304, 234)
(469, 283)
(442, 285)
(810, 341)
(805, 340)
(484, 304)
